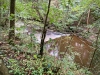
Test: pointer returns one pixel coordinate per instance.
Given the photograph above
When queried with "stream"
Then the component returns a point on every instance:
(62, 43)
(28, 30)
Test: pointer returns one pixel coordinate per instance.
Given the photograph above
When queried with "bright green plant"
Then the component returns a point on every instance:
(15, 68)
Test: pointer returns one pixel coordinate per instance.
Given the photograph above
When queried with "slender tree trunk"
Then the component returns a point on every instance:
(44, 31)
(0, 10)
(12, 22)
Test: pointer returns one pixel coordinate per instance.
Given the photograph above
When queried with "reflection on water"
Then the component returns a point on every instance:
(71, 43)
(49, 35)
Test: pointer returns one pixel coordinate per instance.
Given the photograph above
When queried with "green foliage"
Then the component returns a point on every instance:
(46, 65)
(97, 2)
(4, 9)
(15, 68)
(22, 9)
(68, 11)
(57, 13)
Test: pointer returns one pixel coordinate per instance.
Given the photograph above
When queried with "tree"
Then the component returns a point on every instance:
(12, 22)
(0, 11)
(44, 31)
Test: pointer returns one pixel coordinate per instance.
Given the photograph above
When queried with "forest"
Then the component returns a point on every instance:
(49, 37)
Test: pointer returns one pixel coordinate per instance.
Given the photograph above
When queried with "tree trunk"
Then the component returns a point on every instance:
(44, 31)
(3, 68)
(0, 11)
(12, 22)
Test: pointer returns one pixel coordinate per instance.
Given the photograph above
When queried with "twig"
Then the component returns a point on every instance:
(88, 16)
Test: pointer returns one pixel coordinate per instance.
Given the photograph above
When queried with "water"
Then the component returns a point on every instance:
(71, 43)
(49, 35)
(64, 43)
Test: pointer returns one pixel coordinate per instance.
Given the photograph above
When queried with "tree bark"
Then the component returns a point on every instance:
(44, 31)
(12, 22)
(3, 68)
(0, 11)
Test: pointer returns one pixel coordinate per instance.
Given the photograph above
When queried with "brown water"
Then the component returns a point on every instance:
(70, 44)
